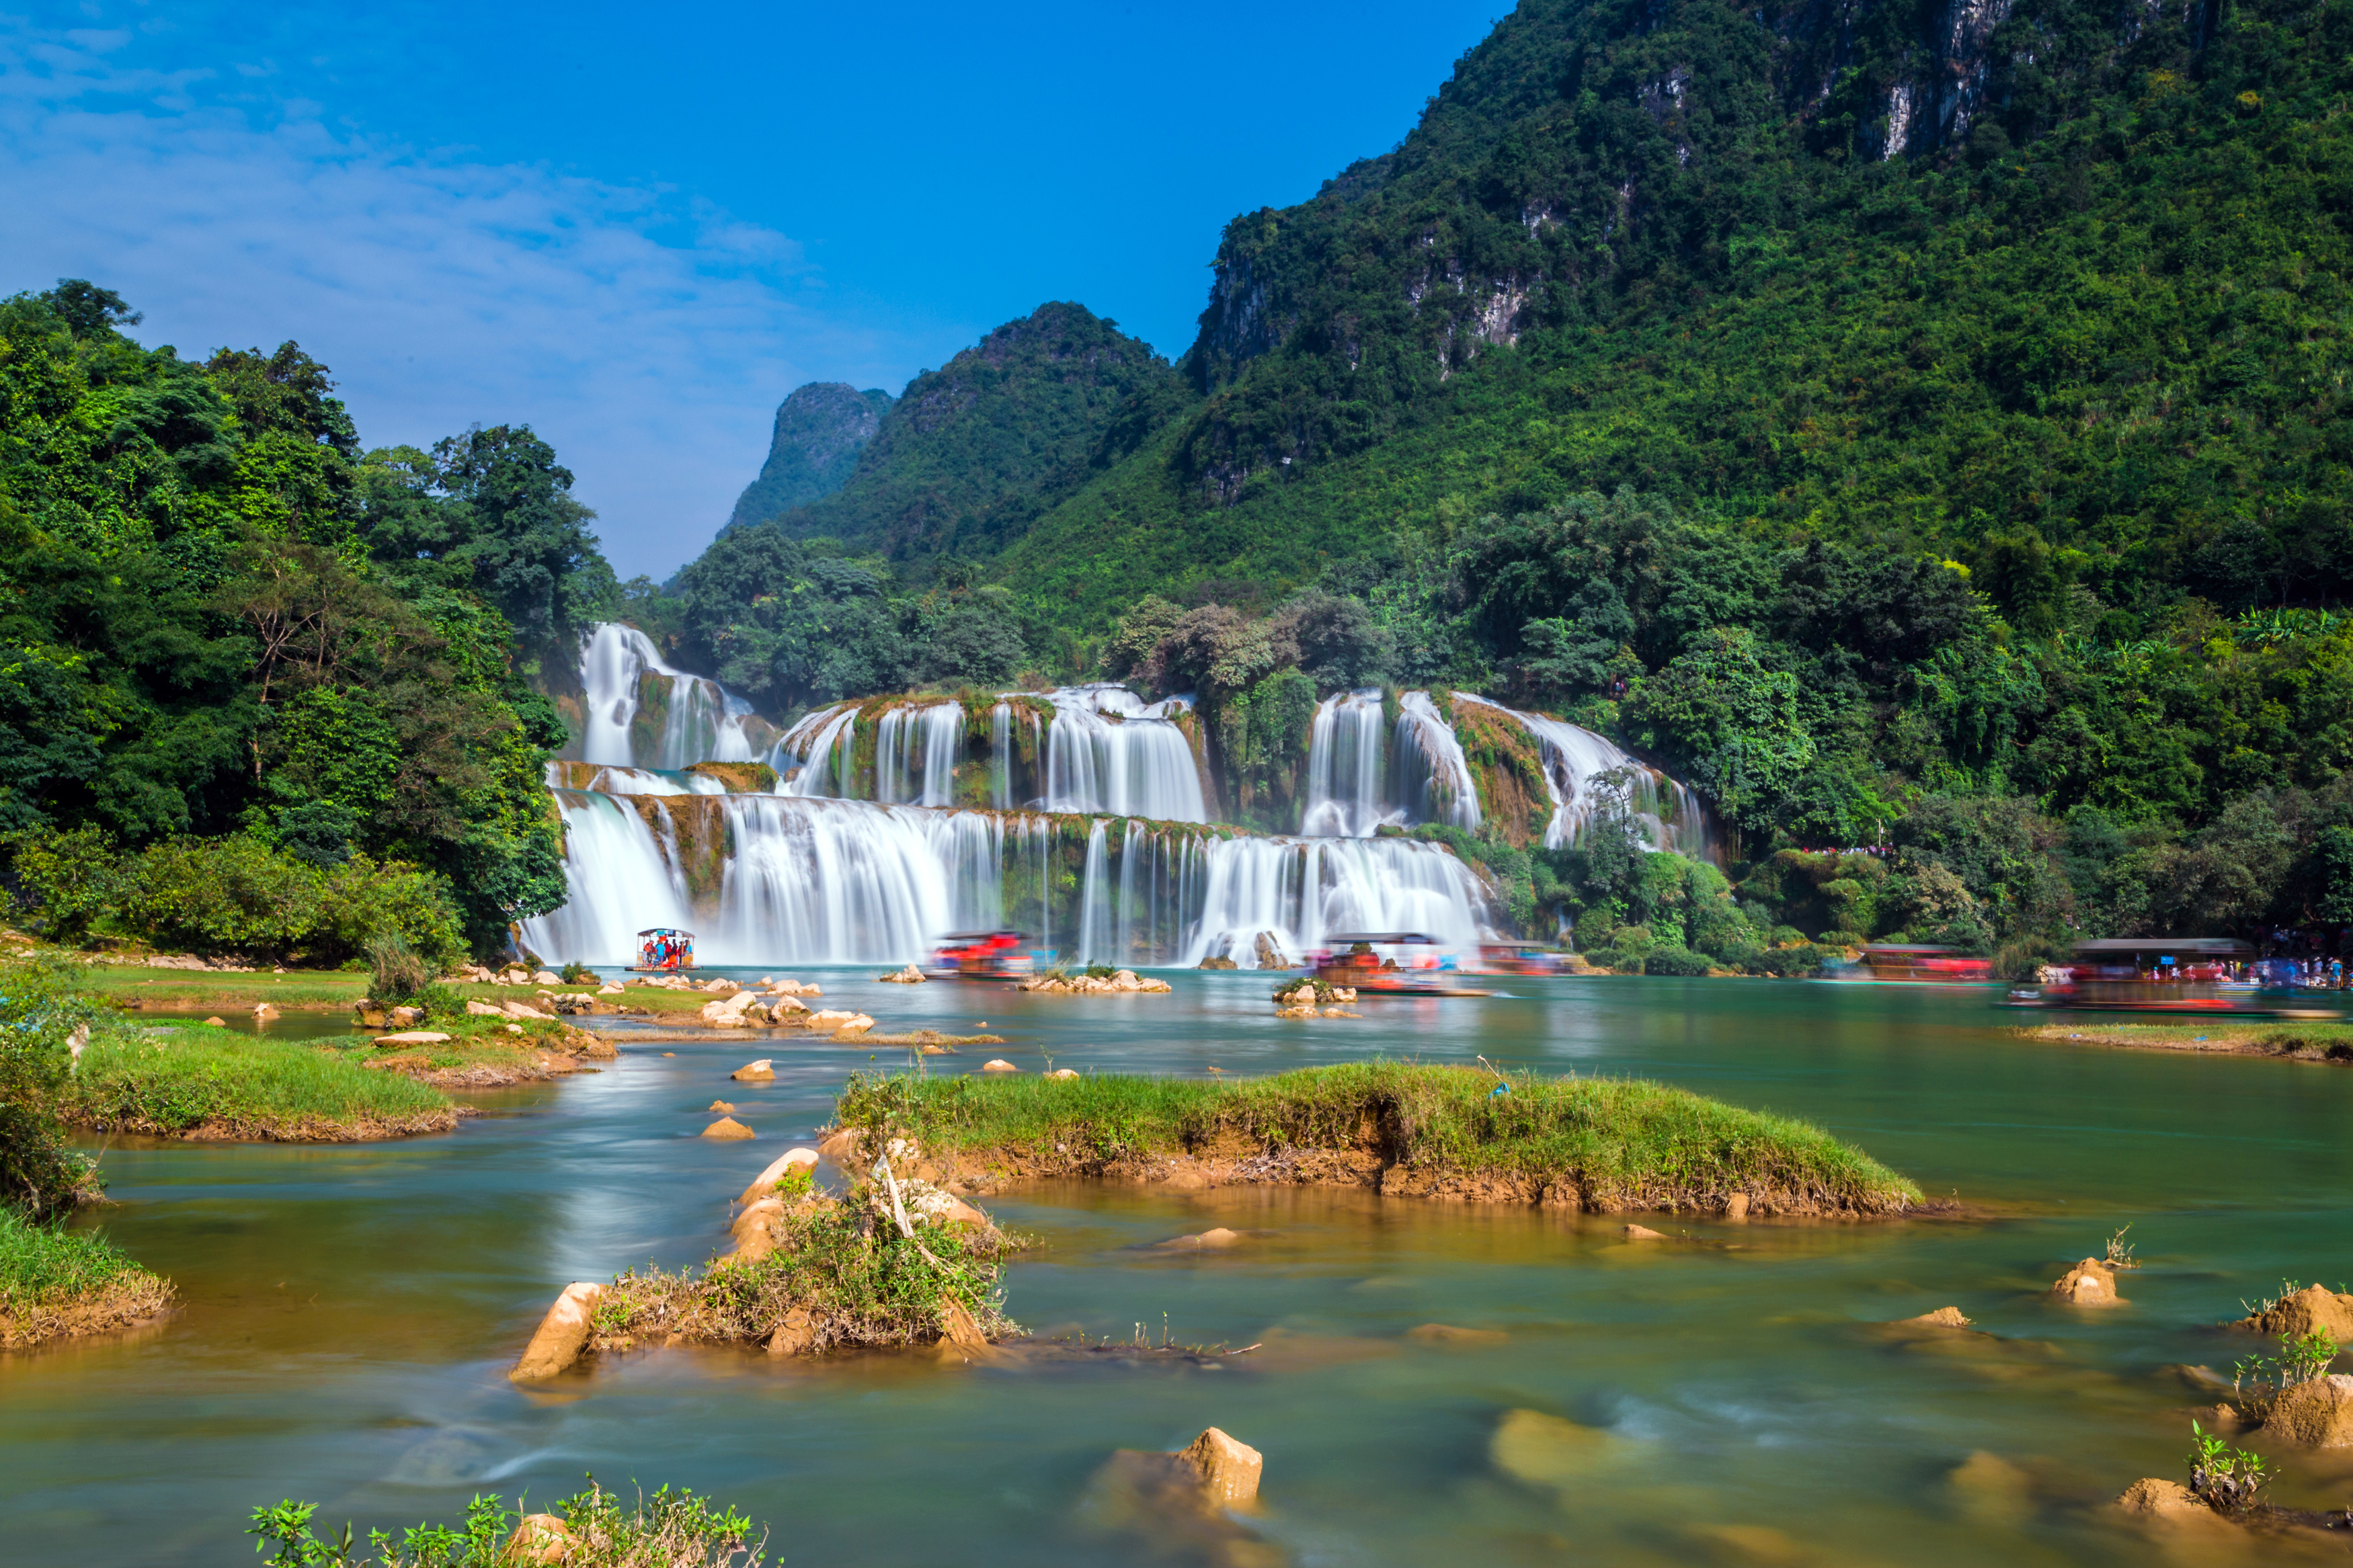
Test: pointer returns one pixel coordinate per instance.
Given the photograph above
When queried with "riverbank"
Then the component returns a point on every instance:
(205, 1083)
(55, 1283)
(2314, 1041)
(1599, 1145)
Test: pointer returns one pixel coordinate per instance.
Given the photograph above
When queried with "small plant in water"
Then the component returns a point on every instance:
(668, 1530)
(2227, 1477)
(2257, 1308)
(2120, 1252)
(2301, 1358)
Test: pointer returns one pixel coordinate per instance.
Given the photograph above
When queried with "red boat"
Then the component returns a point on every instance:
(983, 955)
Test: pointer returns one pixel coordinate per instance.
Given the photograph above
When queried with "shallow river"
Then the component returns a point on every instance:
(350, 1312)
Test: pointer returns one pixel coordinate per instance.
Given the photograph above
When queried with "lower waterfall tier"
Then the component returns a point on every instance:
(778, 879)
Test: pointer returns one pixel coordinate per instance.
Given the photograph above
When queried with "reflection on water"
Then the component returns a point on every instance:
(1727, 1398)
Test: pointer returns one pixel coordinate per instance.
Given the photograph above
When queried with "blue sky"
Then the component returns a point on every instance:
(637, 229)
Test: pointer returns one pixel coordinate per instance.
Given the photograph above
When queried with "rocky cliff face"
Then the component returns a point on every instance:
(820, 430)
(1593, 151)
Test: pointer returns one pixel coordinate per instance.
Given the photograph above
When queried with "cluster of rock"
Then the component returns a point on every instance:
(1088, 985)
(780, 1007)
(1301, 1001)
(512, 975)
(910, 976)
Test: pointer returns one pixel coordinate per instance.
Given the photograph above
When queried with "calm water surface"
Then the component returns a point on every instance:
(350, 1312)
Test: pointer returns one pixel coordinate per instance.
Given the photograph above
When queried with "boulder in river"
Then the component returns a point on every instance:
(795, 1159)
(1269, 956)
(562, 1334)
(910, 976)
(721, 1108)
(998, 1064)
(2315, 1414)
(2090, 1283)
(1229, 1470)
(2150, 1498)
(1643, 1233)
(728, 1127)
(217, 1023)
(2314, 1306)
(760, 1071)
(1214, 962)
(1064, 1072)
(1942, 1318)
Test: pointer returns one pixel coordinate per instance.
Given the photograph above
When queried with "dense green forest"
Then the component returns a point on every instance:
(1918, 437)
(264, 691)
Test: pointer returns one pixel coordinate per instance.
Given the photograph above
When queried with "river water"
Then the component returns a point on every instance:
(350, 1312)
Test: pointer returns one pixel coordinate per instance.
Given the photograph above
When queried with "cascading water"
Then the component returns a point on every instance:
(1434, 777)
(915, 755)
(1108, 750)
(773, 878)
(1344, 752)
(701, 721)
(1575, 757)
(813, 757)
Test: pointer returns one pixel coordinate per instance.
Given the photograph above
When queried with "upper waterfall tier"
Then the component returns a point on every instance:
(1376, 761)
(1078, 749)
(639, 713)
(764, 879)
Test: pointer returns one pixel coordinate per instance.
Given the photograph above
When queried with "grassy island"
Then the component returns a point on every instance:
(1603, 1145)
(200, 1081)
(55, 1282)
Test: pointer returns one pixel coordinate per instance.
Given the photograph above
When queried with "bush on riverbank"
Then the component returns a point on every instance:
(55, 1282)
(841, 1276)
(42, 1013)
(195, 1078)
(237, 894)
(1618, 1143)
(589, 1530)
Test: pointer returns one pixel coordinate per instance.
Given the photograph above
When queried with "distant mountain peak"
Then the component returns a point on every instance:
(821, 429)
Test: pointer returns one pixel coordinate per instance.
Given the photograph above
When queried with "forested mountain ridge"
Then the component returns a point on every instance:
(821, 429)
(2094, 304)
(265, 691)
(971, 453)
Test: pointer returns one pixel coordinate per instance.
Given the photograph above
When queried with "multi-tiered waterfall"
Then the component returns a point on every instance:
(640, 711)
(1081, 817)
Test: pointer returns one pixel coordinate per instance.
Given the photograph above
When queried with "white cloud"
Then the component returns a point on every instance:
(645, 334)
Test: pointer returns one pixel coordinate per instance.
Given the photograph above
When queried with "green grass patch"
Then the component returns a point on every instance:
(1616, 1144)
(671, 1529)
(55, 1281)
(301, 990)
(841, 1276)
(194, 1077)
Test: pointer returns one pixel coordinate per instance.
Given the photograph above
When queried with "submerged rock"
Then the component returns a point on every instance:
(2315, 1414)
(2151, 1498)
(1643, 1233)
(2090, 1283)
(721, 1108)
(1942, 1318)
(1217, 1238)
(558, 1343)
(728, 1127)
(1448, 1334)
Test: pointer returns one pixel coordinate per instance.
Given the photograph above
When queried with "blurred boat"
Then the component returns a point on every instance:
(2196, 976)
(983, 955)
(1418, 966)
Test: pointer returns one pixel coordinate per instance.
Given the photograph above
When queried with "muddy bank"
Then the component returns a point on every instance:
(2289, 1042)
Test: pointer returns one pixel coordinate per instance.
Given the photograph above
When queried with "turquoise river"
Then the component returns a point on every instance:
(350, 1312)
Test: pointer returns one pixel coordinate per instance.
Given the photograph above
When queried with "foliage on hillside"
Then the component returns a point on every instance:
(2096, 343)
(974, 451)
(221, 618)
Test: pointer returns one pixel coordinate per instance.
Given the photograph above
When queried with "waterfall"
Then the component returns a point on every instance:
(1344, 767)
(813, 757)
(1435, 778)
(1107, 751)
(1671, 815)
(1000, 756)
(782, 880)
(701, 721)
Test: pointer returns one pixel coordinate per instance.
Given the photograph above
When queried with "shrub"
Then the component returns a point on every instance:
(1604, 957)
(578, 974)
(1676, 960)
(65, 881)
(395, 971)
(668, 1530)
(1791, 961)
(40, 1014)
